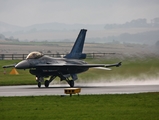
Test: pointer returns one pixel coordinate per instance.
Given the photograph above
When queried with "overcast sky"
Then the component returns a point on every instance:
(29, 12)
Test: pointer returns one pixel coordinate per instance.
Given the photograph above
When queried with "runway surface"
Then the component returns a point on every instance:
(33, 90)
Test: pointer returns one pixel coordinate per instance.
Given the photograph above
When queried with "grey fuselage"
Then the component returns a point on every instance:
(46, 66)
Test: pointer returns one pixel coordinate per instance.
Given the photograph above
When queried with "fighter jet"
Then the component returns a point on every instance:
(66, 68)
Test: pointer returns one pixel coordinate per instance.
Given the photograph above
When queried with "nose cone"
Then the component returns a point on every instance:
(23, 65)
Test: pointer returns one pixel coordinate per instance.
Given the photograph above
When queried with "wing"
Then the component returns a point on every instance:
(102, 68)
(80, 65)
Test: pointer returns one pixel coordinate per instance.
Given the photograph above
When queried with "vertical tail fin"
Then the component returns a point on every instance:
(76, 52)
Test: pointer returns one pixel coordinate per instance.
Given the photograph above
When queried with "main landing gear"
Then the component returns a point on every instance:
(62, 77)
(70, 82)
(66, 78)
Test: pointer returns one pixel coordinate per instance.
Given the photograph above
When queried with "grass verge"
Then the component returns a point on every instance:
(143, 106)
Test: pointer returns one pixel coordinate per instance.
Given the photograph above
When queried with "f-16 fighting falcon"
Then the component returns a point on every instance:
(65, 68)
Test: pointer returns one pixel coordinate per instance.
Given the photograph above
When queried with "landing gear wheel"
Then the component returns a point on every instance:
(71, 83)
(46, 83)
(39, 84)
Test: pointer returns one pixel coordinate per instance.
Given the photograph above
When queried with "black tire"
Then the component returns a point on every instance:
(39, 84)
(46, 83)
(71, 83)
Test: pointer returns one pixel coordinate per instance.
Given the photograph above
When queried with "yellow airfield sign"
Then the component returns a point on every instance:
(72, 91)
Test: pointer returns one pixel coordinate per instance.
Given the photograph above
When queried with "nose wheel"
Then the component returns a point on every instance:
(46, 83)
(39, 80)
(39, 84)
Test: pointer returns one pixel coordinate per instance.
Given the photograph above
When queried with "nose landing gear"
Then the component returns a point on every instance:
(46, 83)
(39, 84)
(39, 80)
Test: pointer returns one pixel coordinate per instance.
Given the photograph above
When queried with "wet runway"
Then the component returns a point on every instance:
(33, 90)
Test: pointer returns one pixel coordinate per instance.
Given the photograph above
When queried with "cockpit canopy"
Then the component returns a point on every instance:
(34, 55)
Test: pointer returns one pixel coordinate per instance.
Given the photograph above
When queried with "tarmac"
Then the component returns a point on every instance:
(33, 90)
